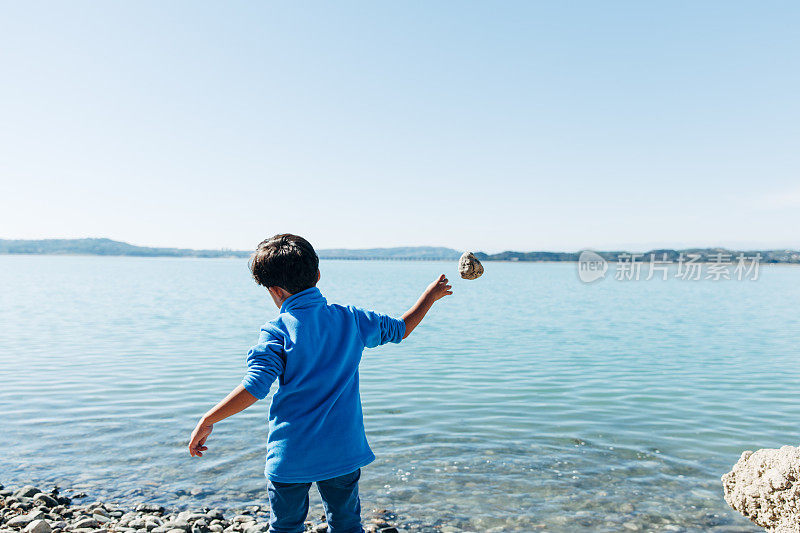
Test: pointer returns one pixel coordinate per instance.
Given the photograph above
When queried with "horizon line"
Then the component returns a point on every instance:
(423, 246)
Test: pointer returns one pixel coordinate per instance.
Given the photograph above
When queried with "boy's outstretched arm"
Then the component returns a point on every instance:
(238, 400)
(264, 364)
(436, 290)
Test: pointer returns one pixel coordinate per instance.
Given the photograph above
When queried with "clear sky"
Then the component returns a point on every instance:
(526, 125)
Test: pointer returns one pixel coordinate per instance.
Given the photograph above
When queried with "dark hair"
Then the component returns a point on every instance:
(287, 261)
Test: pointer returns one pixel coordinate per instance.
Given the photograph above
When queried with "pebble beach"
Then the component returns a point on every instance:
(28, 509)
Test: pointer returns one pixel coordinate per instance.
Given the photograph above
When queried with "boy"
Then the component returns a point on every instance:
(316, 429)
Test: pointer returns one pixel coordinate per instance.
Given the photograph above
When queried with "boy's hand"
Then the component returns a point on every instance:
(198, 438)
(238, 400)
(435, 291)
(439, 289)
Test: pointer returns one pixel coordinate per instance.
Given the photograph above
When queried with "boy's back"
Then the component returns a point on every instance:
(316, 428)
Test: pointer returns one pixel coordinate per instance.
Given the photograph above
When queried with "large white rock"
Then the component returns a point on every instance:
(469, 267)
(765, 487)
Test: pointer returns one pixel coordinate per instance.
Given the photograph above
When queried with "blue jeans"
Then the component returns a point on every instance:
(289, 504)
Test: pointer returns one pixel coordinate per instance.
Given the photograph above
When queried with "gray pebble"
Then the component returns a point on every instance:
(87, 523)
(626, 507)
(44, 499)
(150, 508)
(19, 521)
(38, 526)
(182, 525)
(26, 492)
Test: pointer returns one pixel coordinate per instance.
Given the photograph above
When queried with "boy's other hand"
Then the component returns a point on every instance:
(439, 289)
(198, 438)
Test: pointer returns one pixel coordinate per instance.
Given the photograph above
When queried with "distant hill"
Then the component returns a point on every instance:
(104, 247)
(406, 253)
(705, 255)
(111, 247)
(400, 253)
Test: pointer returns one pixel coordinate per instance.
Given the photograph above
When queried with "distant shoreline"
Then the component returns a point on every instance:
(354, 259)
(107, 247)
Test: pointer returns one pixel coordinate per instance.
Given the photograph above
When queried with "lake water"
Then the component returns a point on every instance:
(526, 401)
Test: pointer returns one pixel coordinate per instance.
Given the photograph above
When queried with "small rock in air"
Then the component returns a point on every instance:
(469, 267)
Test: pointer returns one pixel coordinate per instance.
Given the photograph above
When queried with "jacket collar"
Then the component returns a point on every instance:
(303, 299)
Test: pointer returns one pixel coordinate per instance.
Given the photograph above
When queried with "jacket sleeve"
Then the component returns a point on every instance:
(376, 329)
(265, 362)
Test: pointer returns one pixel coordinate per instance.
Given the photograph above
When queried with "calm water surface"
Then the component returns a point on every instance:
(527, 401)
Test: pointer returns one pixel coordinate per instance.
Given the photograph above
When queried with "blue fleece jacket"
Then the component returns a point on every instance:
(316, 429)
